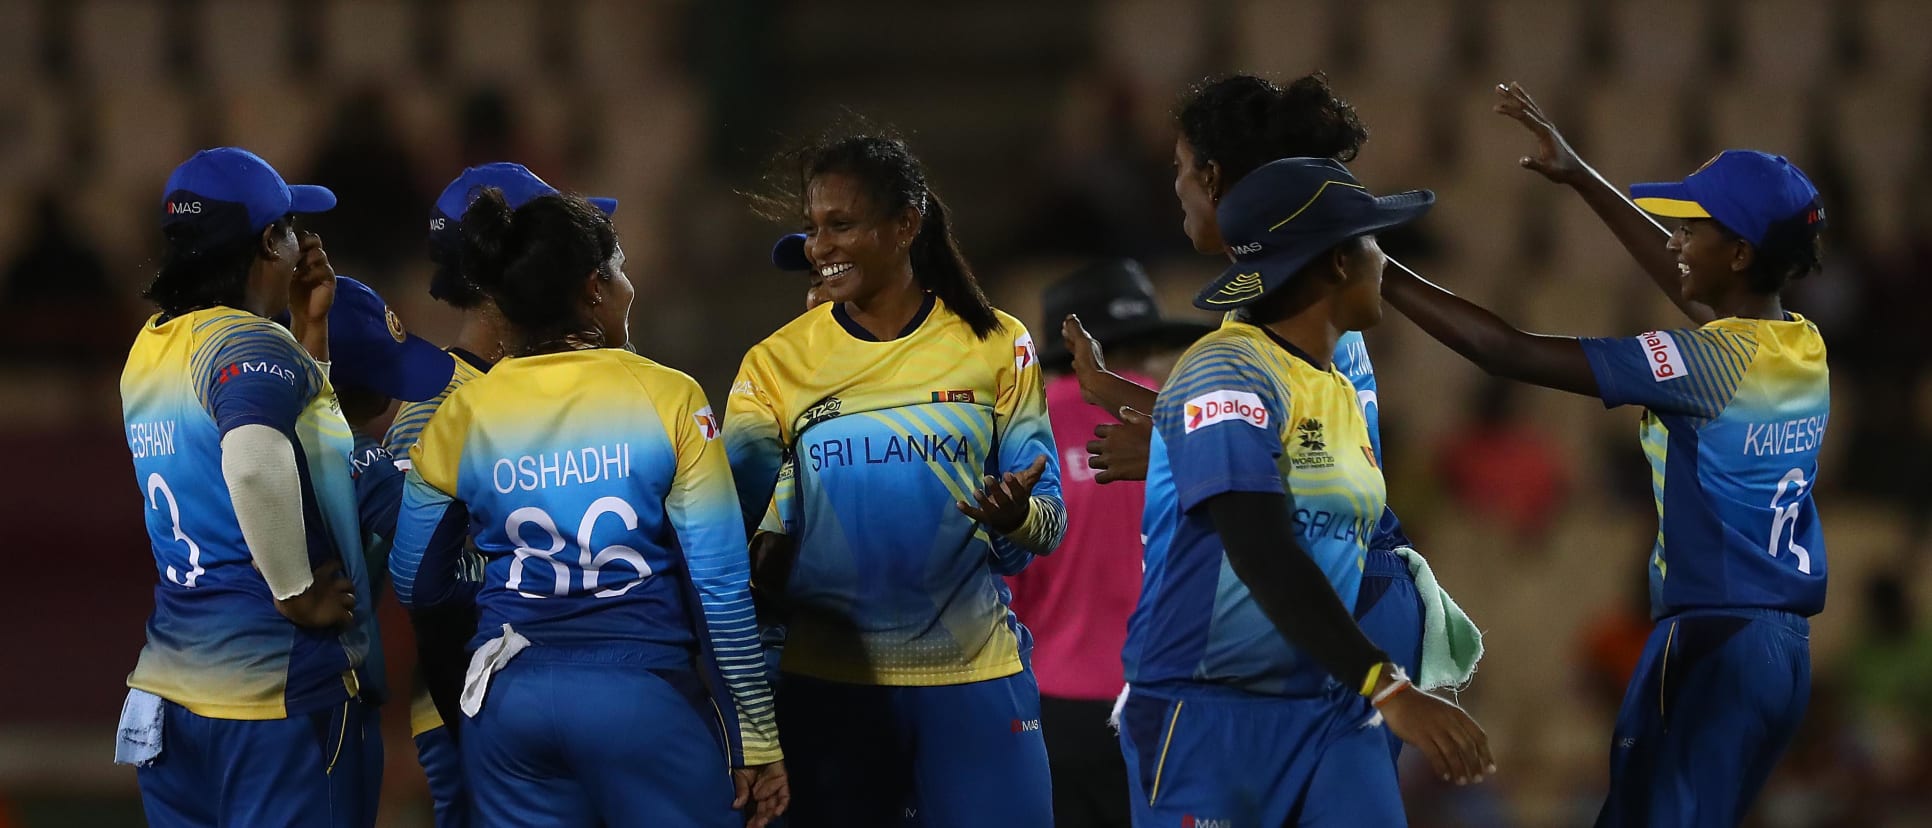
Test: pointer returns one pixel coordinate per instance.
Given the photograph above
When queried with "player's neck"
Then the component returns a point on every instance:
(1752, 305)
(1311, 332)
(482, 333)
(885, 316)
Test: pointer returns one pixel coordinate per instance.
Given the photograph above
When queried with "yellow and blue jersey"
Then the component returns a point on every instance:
(1352, 360)
(893, 585)
(1244, 413)
(216, 644)
(411, 417)
(403, 433)
(606, 517)
(1735, 416)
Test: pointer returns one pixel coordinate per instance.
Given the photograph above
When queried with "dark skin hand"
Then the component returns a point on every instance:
(1641, 236)
(1485, 339)
(1258, 533)
(766, 787)
(1098, 385)
(1119, 450)
(1003, 502)
(310, 295)
(329, 603)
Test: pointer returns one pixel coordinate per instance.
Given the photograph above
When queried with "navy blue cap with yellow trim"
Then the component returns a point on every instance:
(1745, 190)
(1280, 217)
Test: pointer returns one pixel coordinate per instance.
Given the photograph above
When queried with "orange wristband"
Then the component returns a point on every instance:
(1389, 692)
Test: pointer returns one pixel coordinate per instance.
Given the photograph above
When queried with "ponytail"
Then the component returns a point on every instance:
(941, 268)
(894, 181)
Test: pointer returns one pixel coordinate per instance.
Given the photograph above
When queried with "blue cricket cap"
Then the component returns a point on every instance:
(1745, 190)
(369, 348)
(520, 186)
(789, 254)
(1280, 217)
(225, 194)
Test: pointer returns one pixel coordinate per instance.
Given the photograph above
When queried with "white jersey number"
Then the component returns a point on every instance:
(157, 485)
(591, 563)
(1787, 515)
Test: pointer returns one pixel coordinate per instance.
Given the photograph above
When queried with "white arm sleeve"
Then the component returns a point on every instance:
(258, 463)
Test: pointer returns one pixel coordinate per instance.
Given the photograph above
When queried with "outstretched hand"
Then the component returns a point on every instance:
(1089, 362)
(1554, 159)
(1119, 450)
(1003, 502)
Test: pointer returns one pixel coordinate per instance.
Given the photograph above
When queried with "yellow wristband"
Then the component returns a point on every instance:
(1374, 675)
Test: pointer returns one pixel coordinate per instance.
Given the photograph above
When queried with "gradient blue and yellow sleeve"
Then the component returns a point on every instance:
(1025, 434)
(1222, 421)
(1689, 372)
(253, 373)
(425, 561)
(702, 507)
(752, 439)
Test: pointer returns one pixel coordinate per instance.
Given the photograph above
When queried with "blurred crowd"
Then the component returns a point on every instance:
(1050, 130)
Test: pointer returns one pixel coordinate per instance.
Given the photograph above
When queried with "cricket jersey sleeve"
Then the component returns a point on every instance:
(1221, 420)
(1024, 434)
(379, 486)
(254, 373)
(781, 517)
(703, 510)
(1690, 372)
(752, 438)
(426, 560)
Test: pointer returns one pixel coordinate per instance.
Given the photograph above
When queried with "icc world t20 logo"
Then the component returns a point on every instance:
(1310, 431)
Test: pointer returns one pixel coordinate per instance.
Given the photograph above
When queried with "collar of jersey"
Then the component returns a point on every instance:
(859, 332)
(1290, 348)
(475, 361)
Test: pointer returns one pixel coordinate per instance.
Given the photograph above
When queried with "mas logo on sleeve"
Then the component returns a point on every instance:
(1224, 406)
(1023, 353)
(1660, 350)
(708, 424)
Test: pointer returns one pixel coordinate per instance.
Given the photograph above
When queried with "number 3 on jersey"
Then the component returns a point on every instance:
(592, 565)
(159, 486)
(1787, 515)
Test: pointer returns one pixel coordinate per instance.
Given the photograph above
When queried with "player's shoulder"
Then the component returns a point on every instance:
(1010, 325)
(1231, 345)
(229, 328)
(655, 378)
(794, 339)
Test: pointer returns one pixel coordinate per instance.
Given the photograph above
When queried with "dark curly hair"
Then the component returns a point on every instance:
(196, 274)
(1242, 122)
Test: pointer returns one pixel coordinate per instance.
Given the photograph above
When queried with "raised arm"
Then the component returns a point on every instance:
(1098, 385)
(1485, 339)
(1641, 236)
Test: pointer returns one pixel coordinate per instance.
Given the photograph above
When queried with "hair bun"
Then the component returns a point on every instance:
(487, 226)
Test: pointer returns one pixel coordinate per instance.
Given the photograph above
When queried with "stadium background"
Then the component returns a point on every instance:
(1047, 126)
